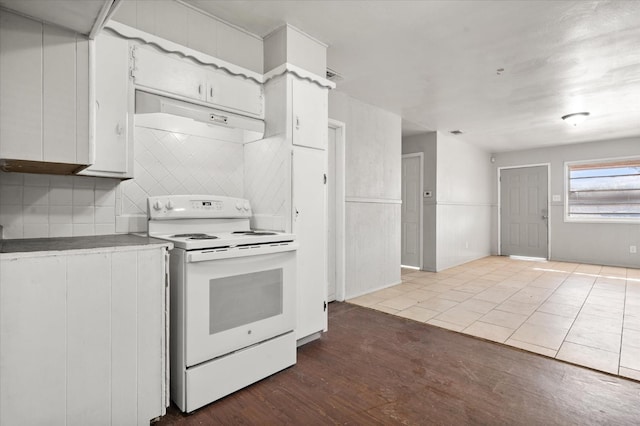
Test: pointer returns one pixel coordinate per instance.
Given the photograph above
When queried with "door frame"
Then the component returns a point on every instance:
(421, 229)
(340, 203)
(499, 226)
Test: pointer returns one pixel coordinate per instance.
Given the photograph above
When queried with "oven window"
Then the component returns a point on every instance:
(244, 299)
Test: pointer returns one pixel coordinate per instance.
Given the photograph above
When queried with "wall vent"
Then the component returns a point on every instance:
(333, 75)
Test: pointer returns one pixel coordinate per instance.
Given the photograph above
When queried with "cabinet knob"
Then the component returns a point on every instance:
(118, 129)
(200, 89)
(211, 92)
(297, 122)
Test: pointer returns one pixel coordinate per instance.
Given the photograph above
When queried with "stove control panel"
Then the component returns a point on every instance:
(197, 206)
(211, 205)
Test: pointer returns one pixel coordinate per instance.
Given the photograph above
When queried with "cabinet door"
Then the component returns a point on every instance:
(310, 114)
(44, 92)
(59, 95)
(20, 87)
(161, 71)
(309, 225)
(33, 349)
(113, 153)
(235, 93)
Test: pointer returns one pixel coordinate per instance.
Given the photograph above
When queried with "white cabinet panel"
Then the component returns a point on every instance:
(33, 341)
(20, 87)
(114, 110)
(171, 21)
(44, 93)
(235, 93)
(88, 339)
(164, 72)
(309, 225)
(124, 346)
(59, 85)
(83, 122)
(202, 32)
(310, 114)
(150, 345)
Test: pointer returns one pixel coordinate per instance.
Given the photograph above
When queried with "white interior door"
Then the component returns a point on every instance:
(331, 217)
(411, 210)
(524, 212)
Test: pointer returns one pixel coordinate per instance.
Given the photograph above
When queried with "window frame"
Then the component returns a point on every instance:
(567, 217)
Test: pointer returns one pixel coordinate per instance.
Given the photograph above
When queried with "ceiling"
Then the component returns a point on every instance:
(436, 63)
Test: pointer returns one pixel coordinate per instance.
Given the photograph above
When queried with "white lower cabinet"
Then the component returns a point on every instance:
(82, 338)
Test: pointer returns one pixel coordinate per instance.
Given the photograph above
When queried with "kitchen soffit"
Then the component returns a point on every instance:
(437, 64)
(77, 15)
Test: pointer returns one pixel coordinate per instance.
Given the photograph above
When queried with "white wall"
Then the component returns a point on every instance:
(597, 243)
(457, 219)
(195, 29)
(463, 202)
(373, 193)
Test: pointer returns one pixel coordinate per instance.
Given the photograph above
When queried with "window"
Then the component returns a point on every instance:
(604, 190)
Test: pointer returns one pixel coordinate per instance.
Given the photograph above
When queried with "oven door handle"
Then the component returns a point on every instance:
(208, 255)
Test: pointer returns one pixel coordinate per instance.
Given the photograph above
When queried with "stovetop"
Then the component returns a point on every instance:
(198, 222)
(201, 240)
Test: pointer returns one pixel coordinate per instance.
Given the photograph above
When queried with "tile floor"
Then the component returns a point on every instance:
(584, 314)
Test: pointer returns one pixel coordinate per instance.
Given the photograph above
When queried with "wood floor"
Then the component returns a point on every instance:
(375, 368)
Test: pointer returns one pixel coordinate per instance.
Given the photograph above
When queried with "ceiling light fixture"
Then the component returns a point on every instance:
(575, 118)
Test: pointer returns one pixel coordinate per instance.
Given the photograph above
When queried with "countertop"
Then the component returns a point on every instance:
(89, 243)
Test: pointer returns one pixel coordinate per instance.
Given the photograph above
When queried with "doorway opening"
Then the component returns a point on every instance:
(336, 211)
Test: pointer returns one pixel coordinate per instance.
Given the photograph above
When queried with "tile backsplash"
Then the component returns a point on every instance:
(176, 163)
(35, 206)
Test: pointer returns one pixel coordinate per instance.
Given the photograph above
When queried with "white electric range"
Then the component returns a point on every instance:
(232, 296)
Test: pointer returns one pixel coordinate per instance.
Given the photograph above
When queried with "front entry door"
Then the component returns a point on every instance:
(524, 214)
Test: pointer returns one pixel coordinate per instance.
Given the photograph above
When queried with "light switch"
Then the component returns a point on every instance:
(556, 198)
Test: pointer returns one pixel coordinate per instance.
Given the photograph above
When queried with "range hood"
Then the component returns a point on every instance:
(160, 112)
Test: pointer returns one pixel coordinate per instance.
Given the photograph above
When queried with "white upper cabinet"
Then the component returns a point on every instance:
(114, 109)
(173, 75)
(169, 74)
(237, 94)
(310, 102)
(44, 94)
(20, 87)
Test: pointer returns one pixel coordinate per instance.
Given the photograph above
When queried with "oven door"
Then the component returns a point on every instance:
(232, 303)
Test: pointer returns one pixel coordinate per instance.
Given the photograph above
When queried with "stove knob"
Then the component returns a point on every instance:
(246, 206)
(169, 205)
(157, 205)
(238, 206)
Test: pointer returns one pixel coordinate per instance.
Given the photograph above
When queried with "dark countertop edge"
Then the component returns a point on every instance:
(64, 244)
